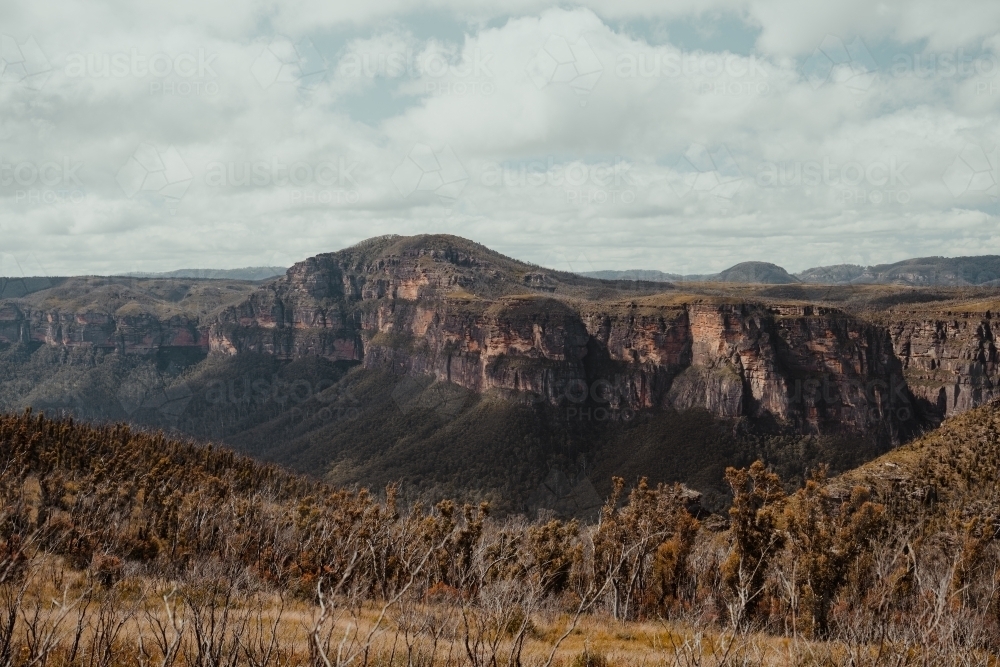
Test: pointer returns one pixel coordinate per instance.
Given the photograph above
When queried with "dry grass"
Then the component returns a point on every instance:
(282, 633)
(66, 617)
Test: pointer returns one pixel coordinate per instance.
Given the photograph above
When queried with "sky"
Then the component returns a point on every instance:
(612, 134)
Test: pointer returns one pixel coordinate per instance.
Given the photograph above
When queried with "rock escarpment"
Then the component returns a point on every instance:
(125, 315)
(134, 332)
(477, 322)
(446, 307)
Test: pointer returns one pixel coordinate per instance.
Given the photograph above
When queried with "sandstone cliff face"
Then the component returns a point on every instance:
(818, 369)
(132, 333)
(951, 361)
(535, 346)
(118, 314)
(487, 323)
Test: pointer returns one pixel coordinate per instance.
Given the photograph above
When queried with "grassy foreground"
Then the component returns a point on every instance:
(64, 617)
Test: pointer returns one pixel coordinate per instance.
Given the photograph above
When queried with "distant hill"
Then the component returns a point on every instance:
(982, 270)
(15, 288)
(763, 273)
(638, 274)
(838, 274)
(246, 273)
(920, 272)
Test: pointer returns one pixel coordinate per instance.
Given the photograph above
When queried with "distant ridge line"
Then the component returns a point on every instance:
(246, 273)
(976, 270)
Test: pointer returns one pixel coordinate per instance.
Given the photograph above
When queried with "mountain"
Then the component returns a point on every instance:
(437, 361)
(755, 272)
(440, 306)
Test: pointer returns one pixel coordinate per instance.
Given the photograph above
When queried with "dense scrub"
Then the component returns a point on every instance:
(125, 547)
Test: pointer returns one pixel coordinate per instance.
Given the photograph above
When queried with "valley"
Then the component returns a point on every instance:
(436, 362)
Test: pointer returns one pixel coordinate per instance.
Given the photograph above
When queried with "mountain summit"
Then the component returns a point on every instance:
(755, 272)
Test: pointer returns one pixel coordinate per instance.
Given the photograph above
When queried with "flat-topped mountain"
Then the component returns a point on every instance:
(443, 307)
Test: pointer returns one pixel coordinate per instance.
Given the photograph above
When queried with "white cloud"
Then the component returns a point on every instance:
(578, 160)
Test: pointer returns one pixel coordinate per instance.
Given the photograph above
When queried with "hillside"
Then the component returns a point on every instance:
(837, 274)
(354, 425)
(953, 469)
(140, 548)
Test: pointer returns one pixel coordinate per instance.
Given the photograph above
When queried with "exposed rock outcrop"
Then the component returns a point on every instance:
(950, 359)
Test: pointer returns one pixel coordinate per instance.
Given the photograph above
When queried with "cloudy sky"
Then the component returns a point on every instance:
(683, 136)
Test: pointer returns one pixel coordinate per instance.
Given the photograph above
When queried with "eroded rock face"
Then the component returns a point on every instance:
(487, 323)
(817, 369)
(132, 333)
(951, 361)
